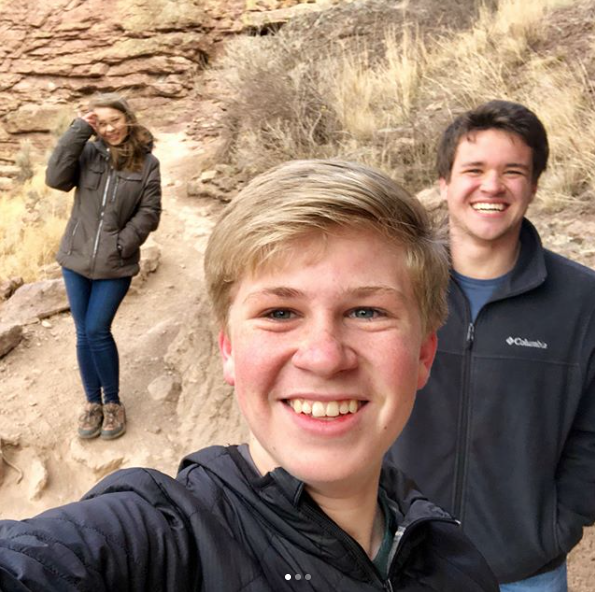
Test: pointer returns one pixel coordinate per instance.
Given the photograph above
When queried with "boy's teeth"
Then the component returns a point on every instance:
(488, 207)
(320, 409)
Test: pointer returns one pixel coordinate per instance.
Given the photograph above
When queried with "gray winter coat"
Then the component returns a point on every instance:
(113, 212)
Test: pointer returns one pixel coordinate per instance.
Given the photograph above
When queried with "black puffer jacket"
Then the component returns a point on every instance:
(111, 208)
(503, 435)
(220, 527)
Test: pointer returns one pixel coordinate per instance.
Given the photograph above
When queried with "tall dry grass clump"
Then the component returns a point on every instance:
(286, 103)
(32, 220)
(389, 109)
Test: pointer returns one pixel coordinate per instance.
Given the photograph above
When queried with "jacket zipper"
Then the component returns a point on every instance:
(114, 190)
(72, 237)
(464, 422)
(401, 535)
(101, 216)
(365, 562)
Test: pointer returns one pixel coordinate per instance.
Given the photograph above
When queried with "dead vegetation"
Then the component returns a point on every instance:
(384, 102)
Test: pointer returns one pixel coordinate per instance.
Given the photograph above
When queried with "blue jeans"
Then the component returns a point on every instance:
(550, 581)
(93, 304)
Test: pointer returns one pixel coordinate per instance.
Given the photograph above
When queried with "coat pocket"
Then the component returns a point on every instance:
(91, 176)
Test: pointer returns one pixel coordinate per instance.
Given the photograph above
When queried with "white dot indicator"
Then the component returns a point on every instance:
(298, 576)
(308, 576)
(288, 576)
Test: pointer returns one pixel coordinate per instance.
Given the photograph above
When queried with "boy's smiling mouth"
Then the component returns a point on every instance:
(325, 409)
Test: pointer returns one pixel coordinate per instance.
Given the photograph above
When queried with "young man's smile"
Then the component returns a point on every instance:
(326, 353)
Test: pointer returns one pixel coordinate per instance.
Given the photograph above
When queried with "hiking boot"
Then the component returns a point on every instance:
(114, 421)
(90, 421)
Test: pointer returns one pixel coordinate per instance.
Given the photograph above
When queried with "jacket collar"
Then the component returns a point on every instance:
(286, 494)
(530, 269)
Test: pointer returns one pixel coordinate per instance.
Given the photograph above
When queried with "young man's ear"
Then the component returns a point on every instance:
(443, 186)
(226, 351)
(426, 358)
(534, 188)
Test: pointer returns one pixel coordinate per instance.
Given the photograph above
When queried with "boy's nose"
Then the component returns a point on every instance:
(492, 183)
(324, 352)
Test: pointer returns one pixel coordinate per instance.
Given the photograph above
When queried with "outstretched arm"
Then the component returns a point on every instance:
(126, 535)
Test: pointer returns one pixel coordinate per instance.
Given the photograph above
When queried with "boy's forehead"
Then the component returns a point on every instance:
(287, 268)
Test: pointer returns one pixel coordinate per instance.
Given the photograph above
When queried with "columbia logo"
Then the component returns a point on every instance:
(522, 342)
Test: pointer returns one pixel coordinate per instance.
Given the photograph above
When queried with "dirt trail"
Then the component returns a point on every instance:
(40, 386)
(40, 391)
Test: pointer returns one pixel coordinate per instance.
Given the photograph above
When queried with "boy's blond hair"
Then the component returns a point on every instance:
(301, 197)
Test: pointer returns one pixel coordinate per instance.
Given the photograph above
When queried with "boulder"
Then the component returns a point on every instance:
(9, 286)
(37, 475)
(10, 337)
(33, 302)
(166, 387)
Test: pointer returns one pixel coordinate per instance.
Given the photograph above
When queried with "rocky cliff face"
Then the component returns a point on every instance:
(56, 53)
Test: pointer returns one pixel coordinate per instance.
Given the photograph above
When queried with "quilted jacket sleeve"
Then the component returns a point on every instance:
(126, 535)
(63, 168)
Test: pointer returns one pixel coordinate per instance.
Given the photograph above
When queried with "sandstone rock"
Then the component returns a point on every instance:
(9, 286)
(10, 337)
(150, 257)
(275, 19)
(99, 460)
(9, 171)
(51, 271)
(33, 302)
(32, 118)
(166, 387)
(37, 475)
(206, 406)
(208, 175)
(431, 198)
(208, 190)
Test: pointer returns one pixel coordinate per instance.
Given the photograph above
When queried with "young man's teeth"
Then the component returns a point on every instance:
(320, 409)
(488, 207)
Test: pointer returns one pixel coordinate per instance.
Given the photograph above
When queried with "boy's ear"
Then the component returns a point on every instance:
(426, 358)
(227, 356)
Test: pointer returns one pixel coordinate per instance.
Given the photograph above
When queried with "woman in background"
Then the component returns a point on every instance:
(117, 204)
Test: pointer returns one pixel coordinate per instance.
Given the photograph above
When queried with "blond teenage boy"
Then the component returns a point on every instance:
(328, 284)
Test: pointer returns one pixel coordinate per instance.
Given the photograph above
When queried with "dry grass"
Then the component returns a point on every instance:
(32, 221)
(388, 111)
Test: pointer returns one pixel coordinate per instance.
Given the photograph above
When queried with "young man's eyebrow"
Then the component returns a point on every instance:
(359, 292)
(519, 165)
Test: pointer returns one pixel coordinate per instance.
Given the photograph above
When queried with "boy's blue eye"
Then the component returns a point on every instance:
(365, 313)
(280, 314)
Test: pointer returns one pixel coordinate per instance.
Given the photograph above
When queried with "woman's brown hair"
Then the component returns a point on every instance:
(130, 154)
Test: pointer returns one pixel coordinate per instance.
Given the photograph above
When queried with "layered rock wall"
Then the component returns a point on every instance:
(55, 54)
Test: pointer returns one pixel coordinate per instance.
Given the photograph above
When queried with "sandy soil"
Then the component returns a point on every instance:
(46, 464)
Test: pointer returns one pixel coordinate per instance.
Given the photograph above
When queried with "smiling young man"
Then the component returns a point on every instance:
(503, 435)
(328, 284)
